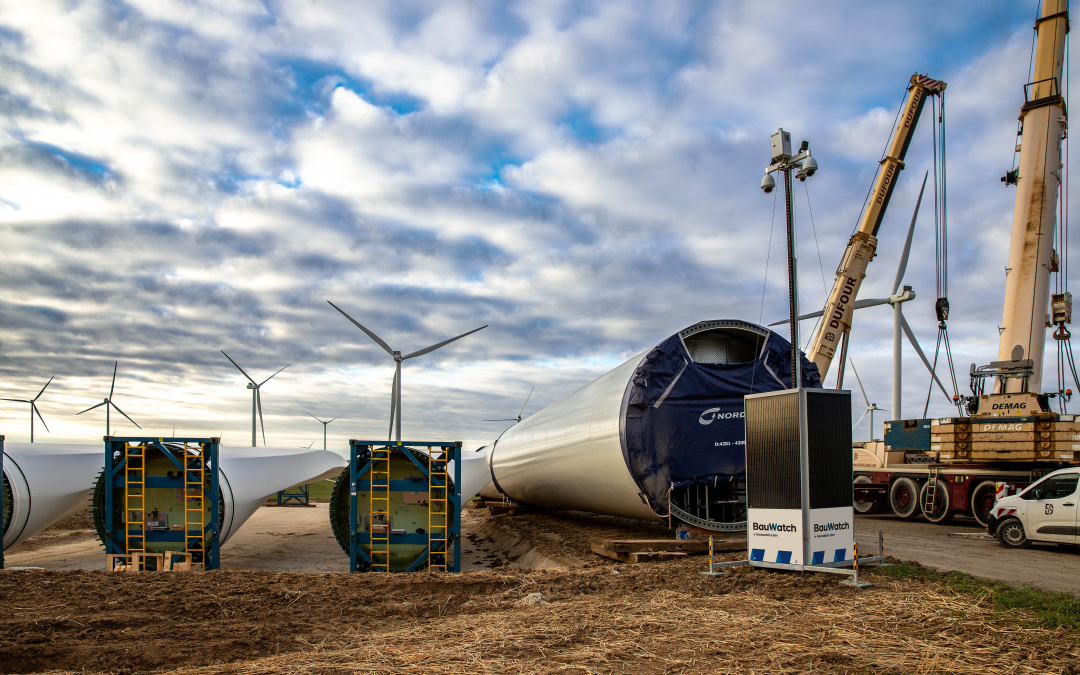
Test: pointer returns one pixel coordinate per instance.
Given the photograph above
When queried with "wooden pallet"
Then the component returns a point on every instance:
(639, 550)
(507, 508)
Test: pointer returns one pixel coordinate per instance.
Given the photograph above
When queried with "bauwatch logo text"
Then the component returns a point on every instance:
(713, 414)
(774, 527)
(831, 527)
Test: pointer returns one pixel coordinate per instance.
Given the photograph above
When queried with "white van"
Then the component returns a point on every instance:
(1044, 512)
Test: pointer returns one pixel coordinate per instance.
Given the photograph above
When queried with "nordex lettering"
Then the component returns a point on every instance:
(713, 414)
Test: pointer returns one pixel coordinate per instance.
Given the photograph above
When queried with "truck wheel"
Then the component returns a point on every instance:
(936, 491)
(864, 507)
(982, 501)
(904, 497)
(1011, 534)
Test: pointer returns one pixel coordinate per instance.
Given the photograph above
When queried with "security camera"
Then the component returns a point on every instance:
(767, 183)
(809, 166)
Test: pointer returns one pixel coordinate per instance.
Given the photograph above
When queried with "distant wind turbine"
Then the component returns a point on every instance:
(395, 392)
(33, 408)
(516, 420)
(108, 403)
(256, 397)
(323, 426)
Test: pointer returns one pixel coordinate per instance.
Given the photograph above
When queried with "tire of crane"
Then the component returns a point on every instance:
(1010, 533)
(864, 507)
(982, 501)
(943, 512)
(904, 497)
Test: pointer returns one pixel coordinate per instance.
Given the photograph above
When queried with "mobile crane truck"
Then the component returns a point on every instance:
(1009, 436)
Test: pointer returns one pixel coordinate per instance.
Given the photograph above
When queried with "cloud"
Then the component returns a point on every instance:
(178, 178)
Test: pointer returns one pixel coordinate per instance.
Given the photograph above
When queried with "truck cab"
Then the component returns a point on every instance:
(1044, 512)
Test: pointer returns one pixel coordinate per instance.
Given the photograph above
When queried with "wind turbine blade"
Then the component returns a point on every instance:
(113, 387)
(88, 409)
(859, 304)
(508, 419)
(526, 402)
(393, 404)
(313, 417)
(902, 267)
(336, 418)
(43, 389)
(428, 350)
(378, 340)
(861, 388)
(123, 413)
(17, 400)
(32, 405)
(310, 444)
(271, 377)
(238, 367)
(865, 413)
(258, 400)
(918, 350)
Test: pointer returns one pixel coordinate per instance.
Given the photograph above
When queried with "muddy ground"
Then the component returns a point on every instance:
(533, 599)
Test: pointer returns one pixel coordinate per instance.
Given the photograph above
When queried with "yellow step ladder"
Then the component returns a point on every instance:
(438, 516)
(379, 508)
(195, 504)
(134, 498)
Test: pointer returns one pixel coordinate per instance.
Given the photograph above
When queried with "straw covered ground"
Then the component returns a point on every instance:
(613, 618)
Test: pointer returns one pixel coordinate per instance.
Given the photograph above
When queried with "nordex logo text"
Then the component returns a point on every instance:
(831, 527)
(774, 527)
(713, 414)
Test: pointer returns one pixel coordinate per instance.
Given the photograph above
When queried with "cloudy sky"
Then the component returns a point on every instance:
(183, 177)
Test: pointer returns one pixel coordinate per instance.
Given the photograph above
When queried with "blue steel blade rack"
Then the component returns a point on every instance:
(296, 496)
(442, 537)
(125, 467)
(3, 500)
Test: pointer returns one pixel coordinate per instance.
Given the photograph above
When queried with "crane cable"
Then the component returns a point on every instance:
(1062, 335)
(941, 245)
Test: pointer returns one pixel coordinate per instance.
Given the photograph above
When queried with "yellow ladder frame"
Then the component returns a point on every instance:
(379, 505)
(135, 498)
(195, 504)
(438, 521)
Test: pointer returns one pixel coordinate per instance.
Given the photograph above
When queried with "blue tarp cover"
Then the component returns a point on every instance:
(684, 421)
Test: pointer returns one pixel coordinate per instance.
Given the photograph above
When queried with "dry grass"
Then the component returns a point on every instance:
(898, 627)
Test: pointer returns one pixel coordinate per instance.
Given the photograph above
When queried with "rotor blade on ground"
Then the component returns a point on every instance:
(865, 413)
(918, 350)
(526, 402)
(902, 267)
(238, 367)
(428, 350)
(271, 377)
(859, 304)
(43, 389)
(378, 340)
(88, 409)
(258, 401)
(34, 409)
(861, 388)
(124, 414)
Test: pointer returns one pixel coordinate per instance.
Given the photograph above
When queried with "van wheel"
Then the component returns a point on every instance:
(904, 497)
(982, 501)
(1011, 534)
(934, 501)
(864, 507)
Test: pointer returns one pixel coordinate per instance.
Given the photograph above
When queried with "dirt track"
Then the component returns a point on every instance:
(591, 615)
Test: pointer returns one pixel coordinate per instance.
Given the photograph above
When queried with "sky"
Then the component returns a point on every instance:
(179, 178)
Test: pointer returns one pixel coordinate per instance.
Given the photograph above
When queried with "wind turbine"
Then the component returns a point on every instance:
(256, 397)
(899, 322)
(323, 427)
(34, 408)
(870, 407)
(108, 403)
(395, 392)
(516, 420)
